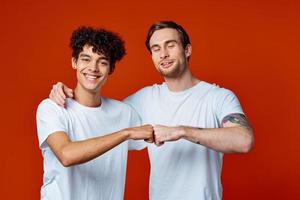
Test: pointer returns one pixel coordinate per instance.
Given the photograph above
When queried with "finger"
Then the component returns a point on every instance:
(159, 143)
(59, 90)
(68, 91)
(60, 99)
(53, 96)
(149, 140)
(157, 127)
(216, 85)
(148, 126)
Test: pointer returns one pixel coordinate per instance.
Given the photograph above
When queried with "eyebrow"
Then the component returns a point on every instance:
(86, 55)
(170, 41)
(166, 42)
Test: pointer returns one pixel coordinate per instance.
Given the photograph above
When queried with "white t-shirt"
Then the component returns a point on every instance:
(182, 170)
(102, 178)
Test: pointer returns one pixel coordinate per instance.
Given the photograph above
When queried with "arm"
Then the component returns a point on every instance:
(234, 136)
(71, 153)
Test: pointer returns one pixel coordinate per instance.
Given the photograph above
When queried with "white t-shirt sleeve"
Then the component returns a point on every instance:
(134, 122)
(49, 119)
(227, 103)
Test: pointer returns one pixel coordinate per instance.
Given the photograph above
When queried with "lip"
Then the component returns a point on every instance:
(91, 77)
(166, 63)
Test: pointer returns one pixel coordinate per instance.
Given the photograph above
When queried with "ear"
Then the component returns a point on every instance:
(188, 50)
(74, 65)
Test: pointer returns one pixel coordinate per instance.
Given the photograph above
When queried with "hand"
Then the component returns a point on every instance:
(164, 133)
(141, 133)
(59, 92)
(216, 85)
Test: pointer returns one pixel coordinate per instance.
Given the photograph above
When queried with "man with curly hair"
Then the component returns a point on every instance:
(84, 149)
(194, 120)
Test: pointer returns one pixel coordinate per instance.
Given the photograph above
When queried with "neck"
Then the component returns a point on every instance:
(87, 98)
(185, 81)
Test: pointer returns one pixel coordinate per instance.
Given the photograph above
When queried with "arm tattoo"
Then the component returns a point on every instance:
(237, 118)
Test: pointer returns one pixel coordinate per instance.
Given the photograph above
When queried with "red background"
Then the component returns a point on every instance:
(250, 47)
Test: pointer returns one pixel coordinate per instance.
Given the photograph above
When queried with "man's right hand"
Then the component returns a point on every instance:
(59, 93)
(141, 133)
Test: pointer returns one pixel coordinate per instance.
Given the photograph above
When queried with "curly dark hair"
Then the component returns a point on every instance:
(102, 41)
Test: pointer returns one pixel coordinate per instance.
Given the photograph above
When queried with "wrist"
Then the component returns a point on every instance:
(183, 132)
(127, 134)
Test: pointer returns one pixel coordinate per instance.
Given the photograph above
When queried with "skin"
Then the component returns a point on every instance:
(92, 71)
(170, 58)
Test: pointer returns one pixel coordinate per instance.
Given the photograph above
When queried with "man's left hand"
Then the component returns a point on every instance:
(165, 133)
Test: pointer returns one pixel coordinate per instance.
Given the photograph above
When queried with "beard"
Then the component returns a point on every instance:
(172, 72)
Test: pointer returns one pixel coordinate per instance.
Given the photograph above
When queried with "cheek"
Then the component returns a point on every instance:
(104, 70)
(78, 74)
(155, 59)
(80, 68)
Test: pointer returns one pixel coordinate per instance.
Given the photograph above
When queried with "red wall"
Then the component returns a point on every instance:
(250, 47)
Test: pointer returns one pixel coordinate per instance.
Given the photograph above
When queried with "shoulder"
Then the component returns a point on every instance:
(123, 109)
(48, 105)
(116, 104)
(145, 92)
(217, 96)
(218, 92)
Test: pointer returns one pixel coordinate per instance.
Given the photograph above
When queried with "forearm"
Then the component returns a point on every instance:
(236, 139)
(82, 151)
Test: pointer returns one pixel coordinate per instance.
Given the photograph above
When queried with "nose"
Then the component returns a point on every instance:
(163, 53)
(93, 66)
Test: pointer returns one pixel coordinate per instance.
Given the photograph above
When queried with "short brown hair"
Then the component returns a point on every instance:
(185, 40)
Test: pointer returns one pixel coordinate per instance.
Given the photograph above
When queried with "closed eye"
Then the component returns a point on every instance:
(155, 48)
(85, 59)
(171, 44)
(104, 63)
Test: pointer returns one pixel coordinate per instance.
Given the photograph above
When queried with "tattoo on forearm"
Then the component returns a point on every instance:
(237, 118)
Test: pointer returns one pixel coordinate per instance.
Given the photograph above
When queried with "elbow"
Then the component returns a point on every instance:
(66, 163)
(248, 143)
(65, 159)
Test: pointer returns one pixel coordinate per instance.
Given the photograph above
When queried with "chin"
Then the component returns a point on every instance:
(169, 73)
(93, 90)
(92, 87)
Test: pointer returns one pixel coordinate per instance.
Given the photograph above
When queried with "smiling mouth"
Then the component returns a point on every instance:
(166, 63)
(91, 77)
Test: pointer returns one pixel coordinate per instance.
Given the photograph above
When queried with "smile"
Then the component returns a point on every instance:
(91, 77)
(166, 64)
